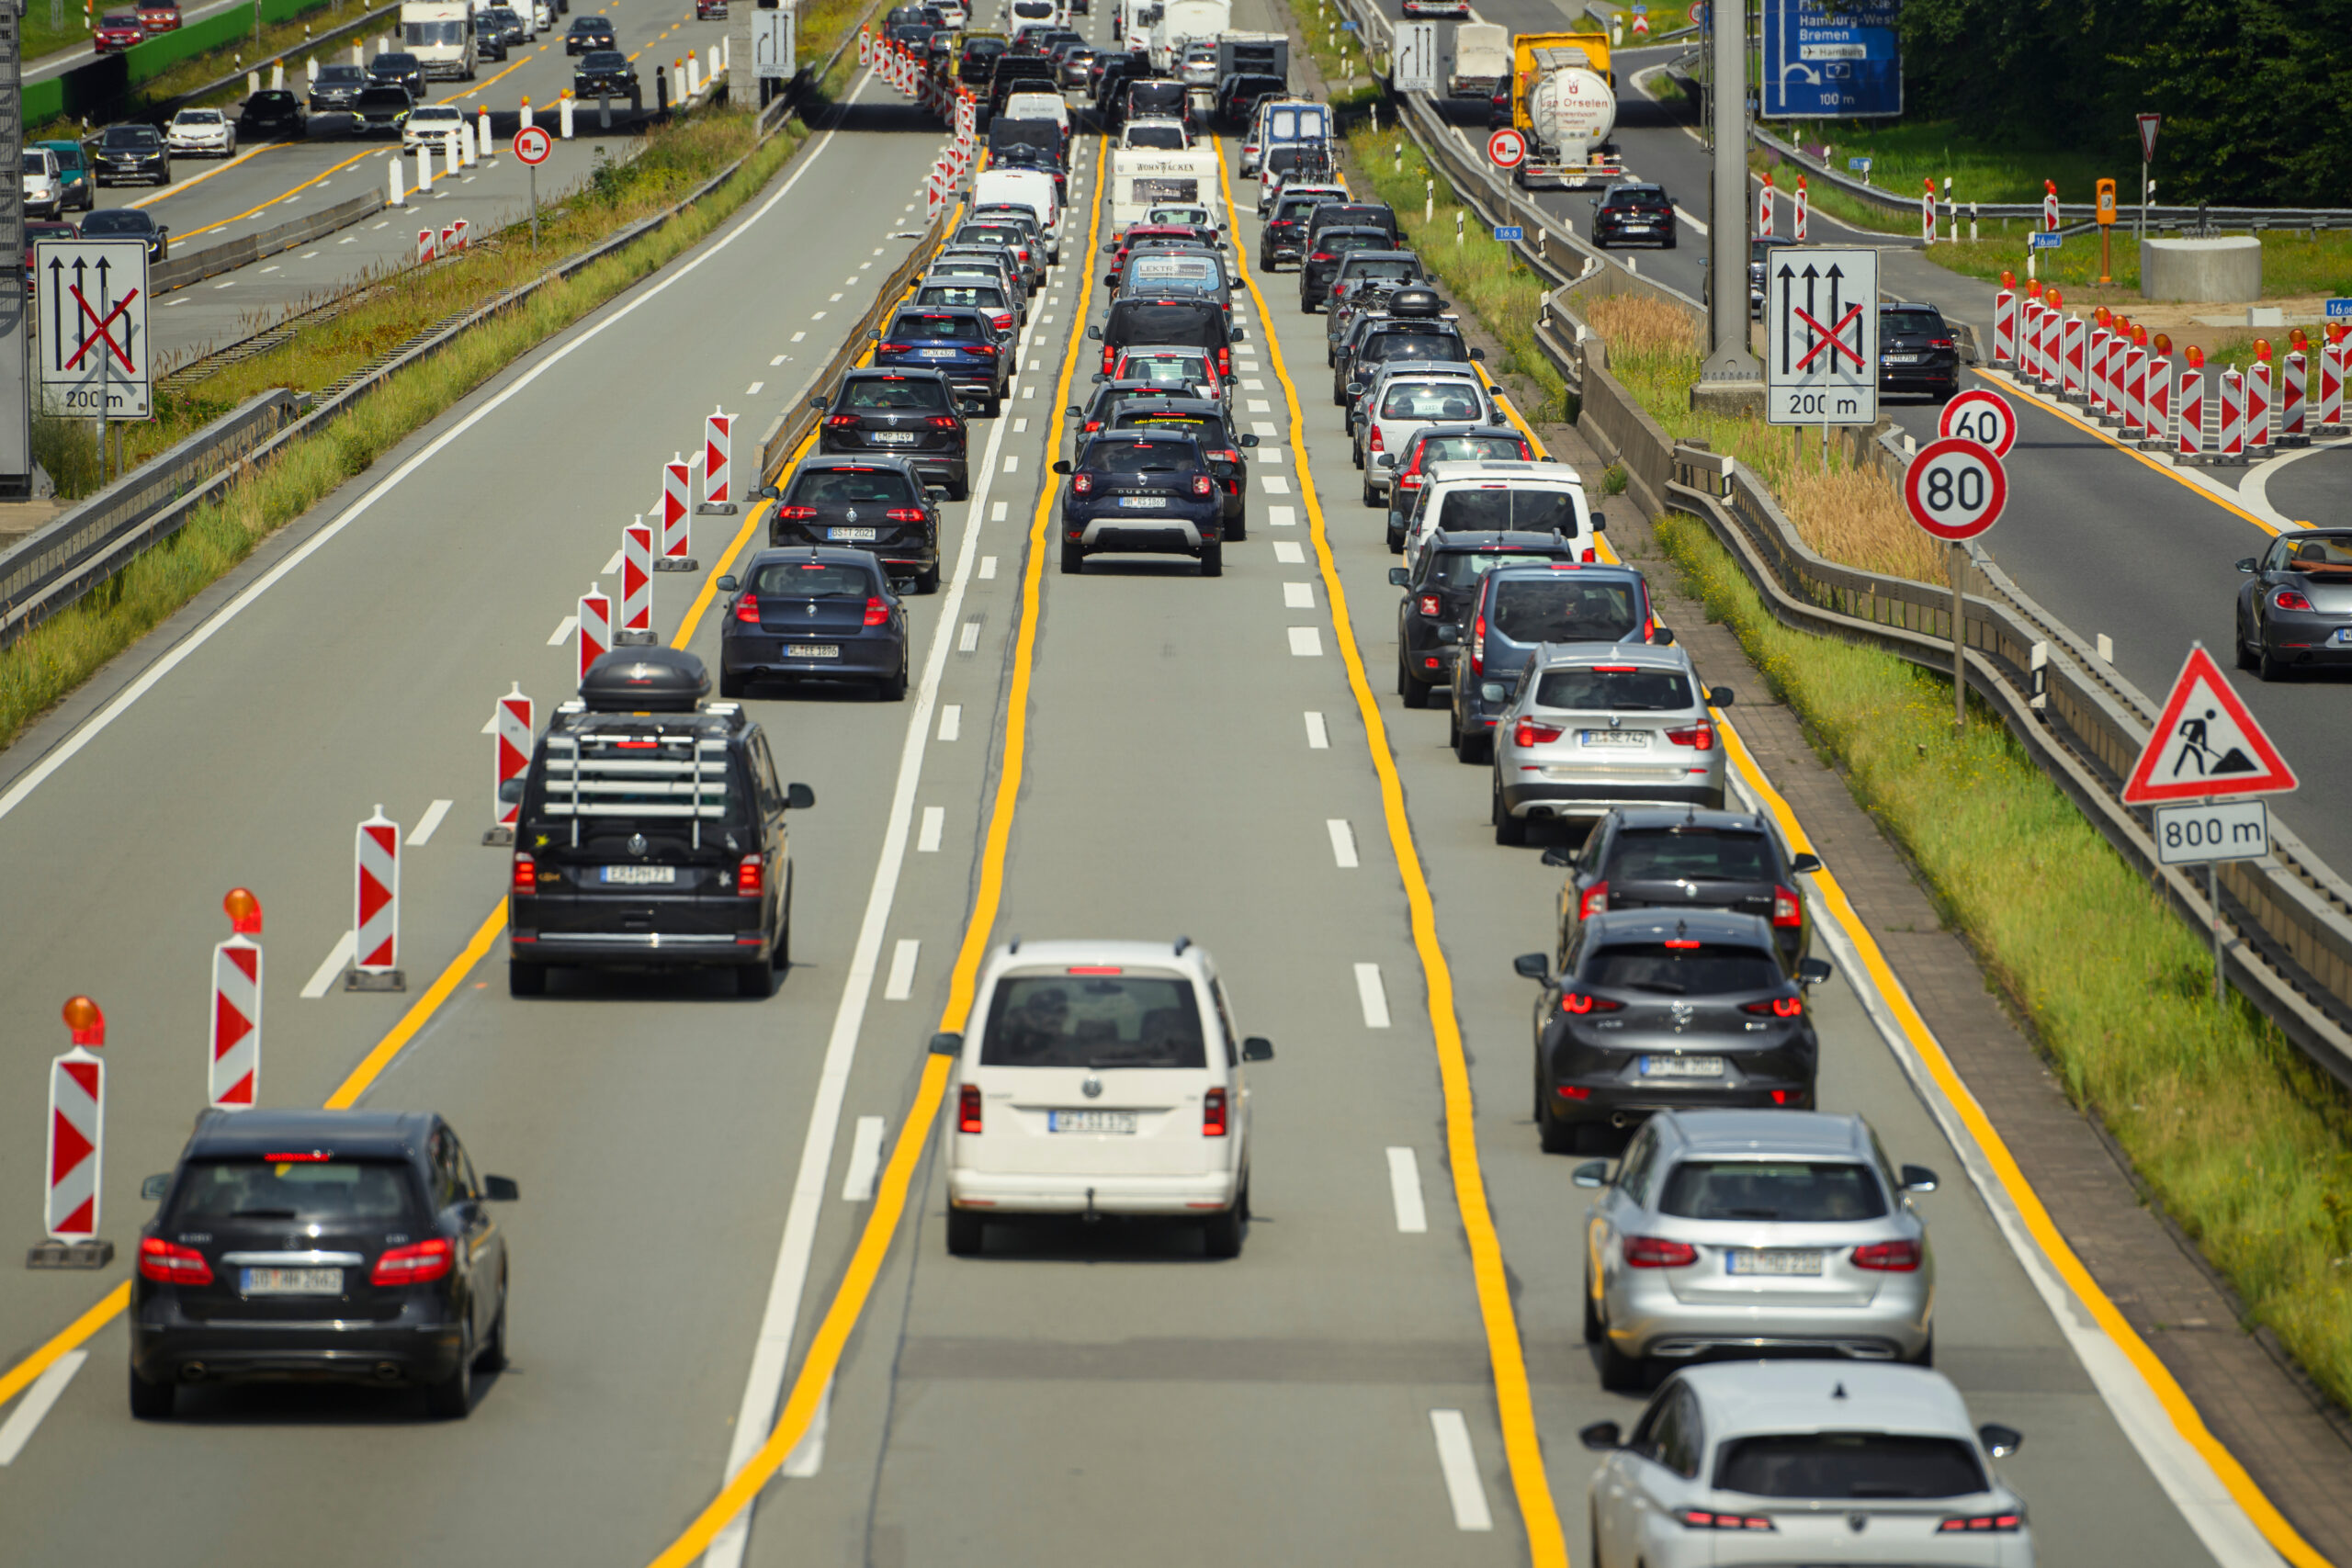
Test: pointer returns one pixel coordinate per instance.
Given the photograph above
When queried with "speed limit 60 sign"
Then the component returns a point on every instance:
(1983, 417)
(1955, 489)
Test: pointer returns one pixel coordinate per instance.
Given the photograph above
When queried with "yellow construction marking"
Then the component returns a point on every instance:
(274, 200)
(20, 1376)
(1522, 1443)
(501, 76)
(219, 168)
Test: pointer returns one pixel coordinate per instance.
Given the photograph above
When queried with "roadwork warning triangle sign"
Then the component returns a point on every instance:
(2206, 744)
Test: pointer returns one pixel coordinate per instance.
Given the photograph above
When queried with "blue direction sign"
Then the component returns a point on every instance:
(1510, 232)
(2045, 240)
(1860, 165)
(1831, 59)
(2339, 308)
(1347, 27)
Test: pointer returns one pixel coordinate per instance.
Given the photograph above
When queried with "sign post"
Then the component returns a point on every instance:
(1820, 340)
(1956, 489)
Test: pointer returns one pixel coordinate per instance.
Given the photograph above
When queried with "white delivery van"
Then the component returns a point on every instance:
(1036, 106)
(1143, 178)
(1032, 189)
(440, 33)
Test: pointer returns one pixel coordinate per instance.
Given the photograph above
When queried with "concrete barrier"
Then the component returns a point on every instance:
(2226, 268)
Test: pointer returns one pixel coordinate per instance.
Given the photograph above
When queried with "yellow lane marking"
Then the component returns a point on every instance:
(2152, 1371)
(501, 76)
(21, 1375)
(372, 1066)
(274, 200)
(1522, 1443)
(220, 168)
(827, 1346)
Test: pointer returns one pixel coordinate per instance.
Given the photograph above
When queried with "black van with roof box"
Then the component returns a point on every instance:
(1177, 323)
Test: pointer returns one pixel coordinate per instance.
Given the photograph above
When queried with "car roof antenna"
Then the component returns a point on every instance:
(1015, 946)
(1181, 944)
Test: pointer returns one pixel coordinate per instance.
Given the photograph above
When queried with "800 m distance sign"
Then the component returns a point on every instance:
(1821, 336)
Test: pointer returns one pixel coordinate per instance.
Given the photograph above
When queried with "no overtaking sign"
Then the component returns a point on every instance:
(92, 298)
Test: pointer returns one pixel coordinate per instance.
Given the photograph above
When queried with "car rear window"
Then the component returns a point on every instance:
(1454, 568)
(1413, 343)
(1165, 321)
(951, 328)
(1928, 321)
(1565, 607)
(895, 394)
(1694, 853)
(978, 296)
(1430, 399)
(327, 1191)
(1159, 138)
(1094, 1020)
(1208, 427)
(1498, 507)
(988, 234)
(1124, 457)
(1385, 271)
(1849, 1464)
(1166, 369)
(1587, 688)
(1790, 1192)
(1473, 448)
(850, 487)
(813, 579)
(1699, 970)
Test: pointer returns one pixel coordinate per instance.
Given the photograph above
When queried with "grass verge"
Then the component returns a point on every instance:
(2245, 1142)
(1906, 153)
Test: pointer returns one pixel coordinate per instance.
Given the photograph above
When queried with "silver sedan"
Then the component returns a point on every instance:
(1592, 728)
(1744, 1231)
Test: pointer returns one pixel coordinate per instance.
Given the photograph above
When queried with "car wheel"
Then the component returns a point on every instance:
(1591, 1315)
(524, 978)
(2267, 668)
(1411, 692)
(1926, 1356)
(732, 686)
(1395, 536)
(755, 981)
(927, 580)
(1212, 560)
(1556, 1136)
(780, 956)
(1073, 559)
(1509, 829)
(493, 1354)
(2245, 658)
(1222, 1231)
(1621, 1374)
(994, 408)
(452, 1398)
(965, 1232)
(1239, 529)
(894, 689)
(152, 1401)
(960, 489)
(1372, 497)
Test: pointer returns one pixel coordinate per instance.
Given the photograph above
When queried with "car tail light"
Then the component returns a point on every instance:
(1582, 1003)
(1082, 483)
(1682, 942)
(1778, 1007)
(414, 1264)
(526, 876)
(1656, 1252)
(1588, 556)
(968, 1109)
(1888, 1257)
(1594, 902)
(747, 609)
(1528, 732)
(840, 422)
(1109, 358)
(1322, 255)
(1705, 1520)
(1572, 1091)
(1939, 342)
(1786, 911)
(169, 1263)
(1224, 360)
(1002, 323)
(1202, 485)
(751, 877)
(1213, 1114)
(1430, 605)
(986, 348)
(876, 612)
(1478, 644)
(2289, 598)
(1375, 443)
(904, 515)
(1410, 481)
(1228, 456)
(894, 348)
(795, 514)
(1970, 1524)
(942, 421)
(1700, 737)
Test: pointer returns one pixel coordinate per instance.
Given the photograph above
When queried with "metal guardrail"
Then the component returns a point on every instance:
(213, 260)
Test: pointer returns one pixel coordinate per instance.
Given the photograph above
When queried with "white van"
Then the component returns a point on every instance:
(1032, 189)
(1545, 497)
(1099, 1077)
(440, 33)
(1143, 178)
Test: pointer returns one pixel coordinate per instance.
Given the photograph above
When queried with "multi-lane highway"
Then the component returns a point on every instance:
(1198, 757)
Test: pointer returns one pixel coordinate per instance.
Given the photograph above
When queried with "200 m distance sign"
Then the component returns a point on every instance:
(1955, 489)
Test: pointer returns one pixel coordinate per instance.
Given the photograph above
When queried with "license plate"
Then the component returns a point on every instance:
(1634, 228)
(1616, 737)
(1762, 1260)
(813, 650)
(936, 354)
(1682, 1066)
(892, 437)
(1142, 501)
(1902, 359)
(2343, 634)
(1090, 1121)
(852, 534)
(640, 875)
(293, 1282)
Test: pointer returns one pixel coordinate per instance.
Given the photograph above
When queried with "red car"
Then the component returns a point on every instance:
(159, 16)
(118, 31)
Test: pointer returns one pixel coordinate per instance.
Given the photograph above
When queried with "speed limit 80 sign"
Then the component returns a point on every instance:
(1955, 489)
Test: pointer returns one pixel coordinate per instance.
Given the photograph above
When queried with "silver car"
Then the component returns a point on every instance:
(1756, 1230)
(1590, 728)
(1805, 1461)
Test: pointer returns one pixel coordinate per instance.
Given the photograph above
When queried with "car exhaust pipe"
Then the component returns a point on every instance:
(387, 1372)
(192, 1371)
(1619, 1121)
(1094, 1216)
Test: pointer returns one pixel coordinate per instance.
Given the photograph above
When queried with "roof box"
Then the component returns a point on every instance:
(645, 680)
(1414, 301)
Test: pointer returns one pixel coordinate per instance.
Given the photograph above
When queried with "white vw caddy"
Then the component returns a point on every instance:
(1099, 1077)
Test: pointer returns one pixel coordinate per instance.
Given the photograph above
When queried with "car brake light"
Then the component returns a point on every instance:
(1429, 604)
(1699, 737)
(1224, 360)
(1478, 644)
(1786, 909)
(1410, 481)
(904, 515)
(1002, 323)
(894, 348)
(1888, 1257)
(795, 514)
(1939, 342)
(1594, 902)
(876, 612)
(968, 1109)
(1527, 732)
(1706, 1519)
(840, 422)
(751, 877)
(1375, 443)
(1972, 1523)
(1082, 483)
(1588, 556)
(1657, 1252)
(2289, 598)
(168, 1263)
(747, 609)
(1680, 943)
(1228, 456)
(1109, 358)
(414, 1264)
(1582, 1003)
(1213, 1114)
(1322, 255)
(1778, 1007)
(526, 874)
(1202, 485)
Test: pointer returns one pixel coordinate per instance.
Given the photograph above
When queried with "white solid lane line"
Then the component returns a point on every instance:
(1298, 596)
(951, 721)
(1318, 737)
(1371, 996)
(1696, 227)
(935, 817)
(431, 819)
(1459, 1465)
(346, 946)
(26, 1419)
(564, 630)
(1343, 843)
(1405, 1192)
(864, 1161)
(1306, 642)
(902, 983)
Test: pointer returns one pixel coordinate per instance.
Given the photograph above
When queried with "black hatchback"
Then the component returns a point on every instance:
(397, 68)
(1634, 213)
(589, 32)
(1439, 589)
(1650, 857)
(906, 413)
(876, 504)
(960, 342)
(337, 88)
(128, 152)
(1331, 245)
(607, 73)
(1916, 351)
(809, 613)
(273, 111)
(337, 1246)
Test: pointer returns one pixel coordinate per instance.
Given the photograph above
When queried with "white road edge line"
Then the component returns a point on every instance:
(430, 820)
(864, 1161)
(26, 1419)
(1372, 996)
(1459, 1465)
(346, 947)
(1405, 1192)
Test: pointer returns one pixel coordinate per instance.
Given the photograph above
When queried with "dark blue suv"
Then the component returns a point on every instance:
(957, 341)
(1150, 492)
(1519, 608)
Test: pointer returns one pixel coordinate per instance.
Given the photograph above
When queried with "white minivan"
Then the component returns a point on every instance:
(1032, 189)
(1545, 497)
(1099, 1077)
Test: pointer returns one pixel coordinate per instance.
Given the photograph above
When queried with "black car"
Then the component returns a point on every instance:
(1916, 351)
(1321, 262)
(1283, 237)
(1101, 407)
(812, 613)
(502, 25)
(604, 73)
(1439, 590)
(1020, 73)
(1516, 609)
(1364, 280)
(1151, 494)
(588, 32)
(1651, 857)
(976, 63)
(397, 68)
(1157, 98)
(905, 413)
(1186, 323)
(337, 88)
(1353, 215)
(1109, 78)
(650, 831)
(1208, 423)
(1420, 335)
(129, 154)
(957, 341)
(1442, 444)
(273, 111)
(1759, 254)
(2295, 609)
(130, 223)
(1652, 1011)
(384, 105)
(1237, 96)
(1634, 212)
(876, 504)
(349, 1246)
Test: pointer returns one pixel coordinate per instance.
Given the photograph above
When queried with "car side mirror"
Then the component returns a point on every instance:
(1387, 460)
(2000, 1441)
(1355, 389)
(798, 797)
(163, 230)
(1061, 465)
(155, 1186)
(1250, 441)
(1101, 376)
(1110, 280)
(1072, 412)
(937, 492)
(1257, 1048)
(729, 583)
(1919, 1178)
(1719, 696)
(817, 404)
(1813, 971)
(2247, 564)
(1662, 637)
(1399, 578)
(1449, 633)
(1112, 248)
(1478, 354)
(1559, 855)
(1592, 1173)
(1094, 333)
(1532, 967)
(874, 335)
(499, 1189)
(1602, 1437)
(946, 1044)
(1600, 523)
(1804, 864)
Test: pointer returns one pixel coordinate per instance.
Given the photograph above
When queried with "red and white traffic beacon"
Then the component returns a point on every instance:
(71, 1188)
(232, 1069)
